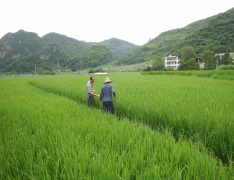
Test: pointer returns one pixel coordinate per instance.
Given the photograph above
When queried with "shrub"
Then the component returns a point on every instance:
(226, 67)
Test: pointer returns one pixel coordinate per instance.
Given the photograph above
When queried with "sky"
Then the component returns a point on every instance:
(133, 21)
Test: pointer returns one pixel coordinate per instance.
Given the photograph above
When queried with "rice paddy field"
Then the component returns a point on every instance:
(164, 127)
(214, 74)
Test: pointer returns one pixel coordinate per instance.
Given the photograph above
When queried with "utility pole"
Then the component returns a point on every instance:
(58, 67)
(35, 70)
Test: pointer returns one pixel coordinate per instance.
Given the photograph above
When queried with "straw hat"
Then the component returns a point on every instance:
(107, 79)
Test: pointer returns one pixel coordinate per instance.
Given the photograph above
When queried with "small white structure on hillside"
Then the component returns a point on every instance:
(100, 73)
(200, 62)
(222, 54)
(172, 61)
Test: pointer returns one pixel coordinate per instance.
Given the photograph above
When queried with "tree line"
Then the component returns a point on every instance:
(187, 60)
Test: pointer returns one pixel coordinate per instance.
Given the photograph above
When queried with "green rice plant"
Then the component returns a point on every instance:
(207, 73)
(49, 136)
(225, 77)
(224, 74)
(226, 67)
(200, 109)
(185, 73)
(158, 72)
(197, 108)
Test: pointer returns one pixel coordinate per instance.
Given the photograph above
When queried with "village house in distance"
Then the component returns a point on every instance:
(222, 54)
(172, 61)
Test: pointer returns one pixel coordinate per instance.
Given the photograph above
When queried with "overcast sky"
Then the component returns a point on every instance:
(97, 20)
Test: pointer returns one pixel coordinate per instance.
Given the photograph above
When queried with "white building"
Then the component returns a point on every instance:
(222, 54)
(200, 62)
(172, 61)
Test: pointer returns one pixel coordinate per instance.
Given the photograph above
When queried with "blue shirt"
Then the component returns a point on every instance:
(106, 92)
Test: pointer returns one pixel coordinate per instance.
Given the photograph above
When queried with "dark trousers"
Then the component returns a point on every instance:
(108, 106)
(90, 100)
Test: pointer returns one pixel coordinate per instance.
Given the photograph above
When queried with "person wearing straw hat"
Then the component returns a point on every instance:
(106, 98)
(90, 91)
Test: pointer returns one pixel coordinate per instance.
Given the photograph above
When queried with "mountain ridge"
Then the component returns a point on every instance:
(163, 44)
(24, 50)
(116, 46)
(215, 33)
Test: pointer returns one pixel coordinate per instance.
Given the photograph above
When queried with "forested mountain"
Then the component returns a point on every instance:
(18, 45)
(214, 33)
(21, 42)
(47, 58)
(118, 47)
(95, 56)
(23, 51)
(71, 46)
(217, 35)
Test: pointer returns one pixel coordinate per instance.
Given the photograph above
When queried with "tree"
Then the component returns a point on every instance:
(100, 69)
(191, 64)
(182, 66)
(226, 59)
(187, 59)
(208, 59)
(148, 68)
(40, 70)
(158, 63)
(187, 53)
(91, 71)
(169, 68)
(188, 65)
(231, 60)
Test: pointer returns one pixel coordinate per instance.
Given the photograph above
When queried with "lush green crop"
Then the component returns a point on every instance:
(220, 74)
(56, 136)
(197, 108)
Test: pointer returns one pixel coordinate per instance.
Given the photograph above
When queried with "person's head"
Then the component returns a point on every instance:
(107, 80)
(92, 79)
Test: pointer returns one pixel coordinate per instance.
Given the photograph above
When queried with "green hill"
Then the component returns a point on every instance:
(22, 51)
(71, 46)
(118, 47)
(25, 50)
(217, 35)
(74, 47)
(95, 56)
(18, 45)
(214, 33)
(47, 58)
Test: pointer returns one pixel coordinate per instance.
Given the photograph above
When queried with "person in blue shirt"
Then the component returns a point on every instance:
(106, 98)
